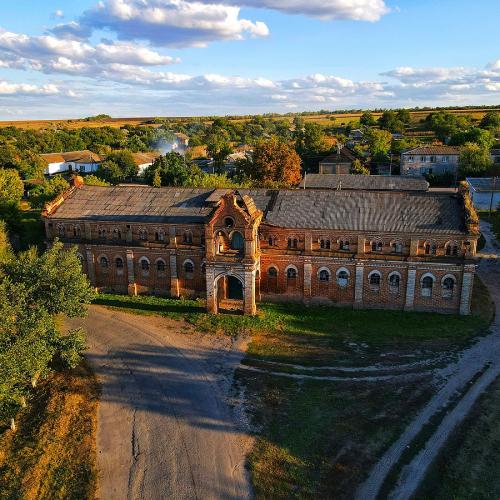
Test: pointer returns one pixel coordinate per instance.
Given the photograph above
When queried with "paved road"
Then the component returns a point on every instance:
(164, 428)
(483, 355)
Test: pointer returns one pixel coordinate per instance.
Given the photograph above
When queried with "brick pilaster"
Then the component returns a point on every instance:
(132, 287)
(249, 306)
(410, 288)
(307, 280)
(90, 265)
(358, 284)
(174, 279)
(466, 294)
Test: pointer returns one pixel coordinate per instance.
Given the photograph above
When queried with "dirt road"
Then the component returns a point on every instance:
(165, 429)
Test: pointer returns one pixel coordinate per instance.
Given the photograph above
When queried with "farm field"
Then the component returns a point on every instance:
(336, 119)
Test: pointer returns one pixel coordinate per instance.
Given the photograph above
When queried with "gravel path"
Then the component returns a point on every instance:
(165, 429)
(483, 354)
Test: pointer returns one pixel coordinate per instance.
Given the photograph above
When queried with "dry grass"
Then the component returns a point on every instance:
(324, 119)
(52, 455)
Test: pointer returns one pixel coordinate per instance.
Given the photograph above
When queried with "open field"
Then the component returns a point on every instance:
(469, 465)
(318, 437)
(52, 453)
(335, 119)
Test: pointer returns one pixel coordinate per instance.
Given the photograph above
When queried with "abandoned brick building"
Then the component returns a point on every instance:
(368, 249)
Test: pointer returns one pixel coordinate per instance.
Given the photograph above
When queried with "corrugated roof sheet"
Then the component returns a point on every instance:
(433, 150)
(84, 156)
(307, 208)
(365, 182)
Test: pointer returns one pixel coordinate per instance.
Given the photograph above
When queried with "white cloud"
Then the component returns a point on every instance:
(7, 88)
(357, 10)
(58, 13)
(50, 54)
(165, 22)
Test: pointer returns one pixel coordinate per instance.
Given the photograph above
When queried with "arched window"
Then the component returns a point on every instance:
(394, 282)
(189, 269)
(144, 264)
(119, 263)
(430, 248)
(271, 241)
(160, 235)
(187, 237)
(324, 275)
(79, 256)
(291, 273)
(397, 247)
(292, 243)
(237, 241)
(103, 262)
(117, 234)
(101, 232)
(374, 280)
(160, 266)
(61, 230)
(344, 245)
(324, 244)
(272, 272)
(451, 249)
(376, 246)
(426, 285)
(143, 235)
(342, 278)
(228, 222)
(448, 286)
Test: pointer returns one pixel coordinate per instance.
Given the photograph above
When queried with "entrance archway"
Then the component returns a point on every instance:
(229, 294)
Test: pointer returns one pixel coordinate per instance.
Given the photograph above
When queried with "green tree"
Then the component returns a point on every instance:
(156, 181)
(126, 165)
(11, 187)
(34, 289)
(367, 119)
(379, 144)
(390, 121)
(93, 180)
(445, 124)
(491, 121)
(474, 161)
(173, 171)
(483, 138)
(47, 191)
(218, 148)
(358, 168)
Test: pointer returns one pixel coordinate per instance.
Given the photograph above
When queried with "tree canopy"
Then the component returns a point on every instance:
(474, 161)
(274, 163)
(34, 289)
(47, 191)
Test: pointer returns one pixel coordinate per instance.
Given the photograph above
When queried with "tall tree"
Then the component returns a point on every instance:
(491, 121)
(274, 163)
(474, 161)
(379, 144)
(367, 119)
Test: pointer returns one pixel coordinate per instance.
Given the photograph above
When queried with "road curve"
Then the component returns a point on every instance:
(164, 427)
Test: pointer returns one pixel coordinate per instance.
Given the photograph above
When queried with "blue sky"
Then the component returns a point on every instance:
(189, 57)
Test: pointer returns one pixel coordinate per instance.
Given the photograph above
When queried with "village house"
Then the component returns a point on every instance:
(432, 159)
(339, 162)
(365, 249)
(145, 160)
(72, 161)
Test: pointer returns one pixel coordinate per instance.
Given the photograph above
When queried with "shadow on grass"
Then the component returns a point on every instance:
(161, 308)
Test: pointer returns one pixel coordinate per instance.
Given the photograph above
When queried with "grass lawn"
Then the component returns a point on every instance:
(31, 231)
(319, 439)
(469, 465)
(52, 453)
(319, 335)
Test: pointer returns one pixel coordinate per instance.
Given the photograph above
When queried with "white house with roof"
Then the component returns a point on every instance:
(72, 161)
(430, 160)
